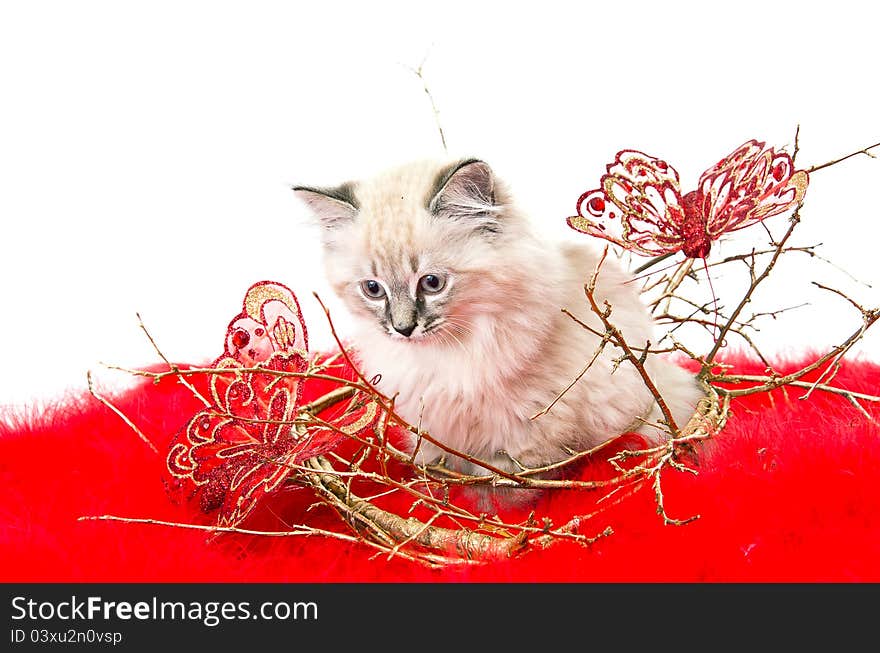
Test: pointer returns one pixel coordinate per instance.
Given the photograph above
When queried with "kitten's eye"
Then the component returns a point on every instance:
(372, 289)
(432, 283)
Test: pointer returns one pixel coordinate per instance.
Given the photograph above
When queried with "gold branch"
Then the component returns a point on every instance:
(865, 151)
(121, 415)
(419, 72)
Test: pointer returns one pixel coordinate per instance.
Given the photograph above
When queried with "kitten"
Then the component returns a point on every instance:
(456, 303)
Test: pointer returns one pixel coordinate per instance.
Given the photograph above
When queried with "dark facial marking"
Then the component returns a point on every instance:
(403, 312)
(430, 322)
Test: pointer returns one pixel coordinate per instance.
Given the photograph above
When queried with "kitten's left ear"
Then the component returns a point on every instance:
(466, 191)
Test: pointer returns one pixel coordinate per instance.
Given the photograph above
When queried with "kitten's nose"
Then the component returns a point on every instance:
(405, 330)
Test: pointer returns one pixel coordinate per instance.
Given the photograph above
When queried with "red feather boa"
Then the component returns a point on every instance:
(787, 492)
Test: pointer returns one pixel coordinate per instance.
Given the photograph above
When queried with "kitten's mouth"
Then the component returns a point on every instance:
(422, 336)
(438, 332)
(414, 338)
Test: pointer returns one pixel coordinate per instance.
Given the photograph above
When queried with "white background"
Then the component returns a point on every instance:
(147, 149)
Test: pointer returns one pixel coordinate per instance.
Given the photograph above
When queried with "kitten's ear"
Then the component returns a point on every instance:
(466, 191)
(334, 207)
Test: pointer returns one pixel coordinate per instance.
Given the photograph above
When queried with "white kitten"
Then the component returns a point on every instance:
(457, 305)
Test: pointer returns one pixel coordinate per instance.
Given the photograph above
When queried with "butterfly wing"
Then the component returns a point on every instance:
(638, 207)
(234, 452)
(247, 444)
(754, 182)
(262, 470)
(272, 313)
(597, 216)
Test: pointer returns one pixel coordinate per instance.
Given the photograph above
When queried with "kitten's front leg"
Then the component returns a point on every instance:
(427, 453)
(492, 498)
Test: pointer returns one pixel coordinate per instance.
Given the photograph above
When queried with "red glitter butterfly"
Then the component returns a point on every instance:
(747, 186)
(244, 445)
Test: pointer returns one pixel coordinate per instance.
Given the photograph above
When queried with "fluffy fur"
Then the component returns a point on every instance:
(493, 348)
(788, 491)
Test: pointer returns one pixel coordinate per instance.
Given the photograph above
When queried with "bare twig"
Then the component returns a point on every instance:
(171, 366)
(121, 415)
(466, 544)
(295, 531)
(577, 378)
(866, 151)
(618, 340)
(419, 72)
(794, 220)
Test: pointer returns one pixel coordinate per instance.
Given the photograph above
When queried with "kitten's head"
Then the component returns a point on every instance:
(418, 251)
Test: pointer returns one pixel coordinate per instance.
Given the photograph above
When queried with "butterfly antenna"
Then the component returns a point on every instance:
(648, 274)
(714, 298)
(652, 262)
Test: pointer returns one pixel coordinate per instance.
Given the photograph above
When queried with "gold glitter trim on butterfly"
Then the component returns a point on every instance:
(262, 293)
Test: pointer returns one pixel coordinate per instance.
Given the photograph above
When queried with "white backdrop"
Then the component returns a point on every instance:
(147, 149)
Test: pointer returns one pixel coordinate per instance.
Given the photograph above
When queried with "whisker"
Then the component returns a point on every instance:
(448, 336)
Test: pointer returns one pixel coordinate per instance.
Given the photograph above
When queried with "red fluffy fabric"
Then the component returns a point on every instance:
(787, 492)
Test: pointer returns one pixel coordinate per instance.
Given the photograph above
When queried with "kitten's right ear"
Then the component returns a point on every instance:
(334, 207)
